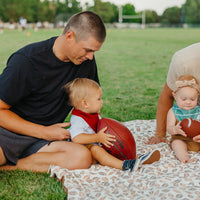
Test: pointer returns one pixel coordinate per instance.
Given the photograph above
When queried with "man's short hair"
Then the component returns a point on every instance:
(86, 24)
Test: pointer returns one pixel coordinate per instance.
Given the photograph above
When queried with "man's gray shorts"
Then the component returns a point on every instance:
(17, 146)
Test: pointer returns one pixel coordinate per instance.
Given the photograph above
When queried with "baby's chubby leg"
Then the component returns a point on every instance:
(104, 158)
(180, 149)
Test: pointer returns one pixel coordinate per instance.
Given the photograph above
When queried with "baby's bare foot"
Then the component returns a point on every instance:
(184, 158)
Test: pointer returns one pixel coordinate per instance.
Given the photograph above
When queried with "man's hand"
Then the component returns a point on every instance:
(56, 132)
(156, 140)
(105, 139)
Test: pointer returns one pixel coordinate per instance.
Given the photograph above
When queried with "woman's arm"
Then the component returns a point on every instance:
(165, 102)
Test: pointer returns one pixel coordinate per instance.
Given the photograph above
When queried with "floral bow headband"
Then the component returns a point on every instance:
(190, 83)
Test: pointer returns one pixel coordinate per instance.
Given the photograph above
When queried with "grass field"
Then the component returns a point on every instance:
(132, 67)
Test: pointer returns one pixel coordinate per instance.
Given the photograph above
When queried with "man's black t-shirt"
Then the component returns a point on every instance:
(32, 83)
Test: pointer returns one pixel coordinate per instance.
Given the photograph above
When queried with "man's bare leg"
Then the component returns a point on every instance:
(2, 157)
(64, 154)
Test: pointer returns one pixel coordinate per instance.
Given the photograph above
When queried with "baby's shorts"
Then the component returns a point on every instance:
(191, 145)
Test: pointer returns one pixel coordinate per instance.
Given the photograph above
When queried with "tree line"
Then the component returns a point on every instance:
(55, 11)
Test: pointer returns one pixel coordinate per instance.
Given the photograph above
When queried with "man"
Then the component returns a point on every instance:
(33, 104)
(184, 62)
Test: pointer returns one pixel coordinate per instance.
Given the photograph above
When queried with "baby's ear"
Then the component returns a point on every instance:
(84, 103)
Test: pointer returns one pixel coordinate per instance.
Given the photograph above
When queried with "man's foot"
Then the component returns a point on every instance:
(150, 157)
(131, 164)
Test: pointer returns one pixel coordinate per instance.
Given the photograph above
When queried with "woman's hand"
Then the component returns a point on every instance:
(156, 140)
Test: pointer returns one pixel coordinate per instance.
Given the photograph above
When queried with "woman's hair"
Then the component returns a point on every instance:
(187, 81)
(86, 24)
(79, 89)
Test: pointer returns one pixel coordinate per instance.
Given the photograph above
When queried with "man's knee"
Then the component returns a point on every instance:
(68, 155)
(86, 158)
(79, 159)
(2, 157)
(83, 158)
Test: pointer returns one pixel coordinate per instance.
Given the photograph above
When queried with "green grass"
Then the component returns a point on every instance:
(23, 185)
(132, 66)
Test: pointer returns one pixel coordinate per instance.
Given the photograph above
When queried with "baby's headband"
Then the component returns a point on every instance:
(191, 83)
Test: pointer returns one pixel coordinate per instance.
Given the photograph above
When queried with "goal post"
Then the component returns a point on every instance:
(121, 16)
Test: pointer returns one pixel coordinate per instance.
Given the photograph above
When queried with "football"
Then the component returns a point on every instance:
(124, 147)
(191, 127)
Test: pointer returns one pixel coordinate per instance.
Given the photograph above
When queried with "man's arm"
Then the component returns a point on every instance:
(11, 121)
(165, 102)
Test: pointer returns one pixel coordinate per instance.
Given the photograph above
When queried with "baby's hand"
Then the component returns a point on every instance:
(196, 138)
(104, 138)
(177, 130)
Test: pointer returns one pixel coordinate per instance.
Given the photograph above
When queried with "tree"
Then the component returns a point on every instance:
(151, 16)
(2, 11)
(32, 10)
(107, 11)
(171, 15)
(37, 10)
(11, 10)
(129, 9)
(192, 11)
(47, 11)
(65, 10)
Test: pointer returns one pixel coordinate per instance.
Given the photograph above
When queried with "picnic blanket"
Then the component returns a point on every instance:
(166, 179)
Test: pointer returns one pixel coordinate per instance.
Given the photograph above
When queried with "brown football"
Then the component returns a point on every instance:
(191, 127)
(124, 148)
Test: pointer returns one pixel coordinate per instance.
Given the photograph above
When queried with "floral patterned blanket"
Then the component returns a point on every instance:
(165, 179)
